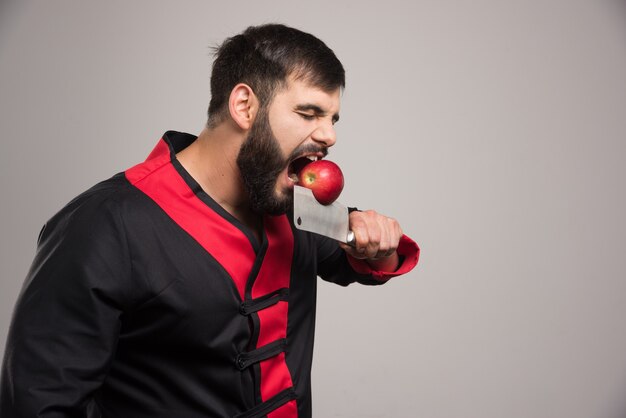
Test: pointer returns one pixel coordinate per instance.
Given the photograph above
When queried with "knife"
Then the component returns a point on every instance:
(329, 220)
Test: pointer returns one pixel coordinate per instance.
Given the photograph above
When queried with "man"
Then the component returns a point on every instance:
(180, 287)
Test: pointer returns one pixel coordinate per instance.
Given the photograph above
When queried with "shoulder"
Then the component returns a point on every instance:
(97, 211)
(85, 246)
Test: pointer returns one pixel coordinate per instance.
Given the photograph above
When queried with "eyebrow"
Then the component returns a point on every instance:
(309, 107)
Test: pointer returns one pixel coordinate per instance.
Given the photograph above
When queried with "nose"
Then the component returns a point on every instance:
(325, 134)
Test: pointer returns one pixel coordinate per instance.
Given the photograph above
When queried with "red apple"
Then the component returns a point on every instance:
(324, 178)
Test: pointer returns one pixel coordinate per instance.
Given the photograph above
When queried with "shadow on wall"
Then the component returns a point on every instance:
(8, 9)
(622, 5)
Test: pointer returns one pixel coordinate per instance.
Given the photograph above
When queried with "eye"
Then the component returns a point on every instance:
(306, 116)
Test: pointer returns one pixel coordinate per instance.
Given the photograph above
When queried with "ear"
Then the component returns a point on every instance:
(243, 106)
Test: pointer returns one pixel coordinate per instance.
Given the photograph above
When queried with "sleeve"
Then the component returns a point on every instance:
(66, 321)
(336, 266)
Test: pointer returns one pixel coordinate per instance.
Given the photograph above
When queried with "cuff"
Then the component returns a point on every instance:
(408, 251)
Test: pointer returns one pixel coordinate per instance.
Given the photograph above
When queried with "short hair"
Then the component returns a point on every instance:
(263, 57)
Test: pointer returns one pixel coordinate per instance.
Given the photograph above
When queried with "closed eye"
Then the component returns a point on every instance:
(312, 111)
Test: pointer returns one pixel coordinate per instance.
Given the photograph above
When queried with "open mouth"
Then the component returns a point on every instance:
(297, 164)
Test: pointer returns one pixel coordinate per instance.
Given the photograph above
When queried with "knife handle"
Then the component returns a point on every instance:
(351, 239)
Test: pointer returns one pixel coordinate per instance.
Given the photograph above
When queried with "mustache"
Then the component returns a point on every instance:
(307, 149)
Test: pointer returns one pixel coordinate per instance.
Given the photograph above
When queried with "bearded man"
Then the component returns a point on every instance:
(180, 288)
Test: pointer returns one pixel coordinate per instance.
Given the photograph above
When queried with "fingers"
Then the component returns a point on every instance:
(376, 235)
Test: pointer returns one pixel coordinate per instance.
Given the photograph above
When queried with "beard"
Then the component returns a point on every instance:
(261, 161)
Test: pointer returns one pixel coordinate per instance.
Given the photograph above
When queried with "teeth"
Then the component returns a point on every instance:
(293, 177)
(312, 157)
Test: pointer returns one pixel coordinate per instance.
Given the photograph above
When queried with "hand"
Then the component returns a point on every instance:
(376, 235)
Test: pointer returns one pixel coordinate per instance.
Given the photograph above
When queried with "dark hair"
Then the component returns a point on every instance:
(263, 57)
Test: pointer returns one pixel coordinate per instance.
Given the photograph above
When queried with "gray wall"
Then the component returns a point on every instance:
(494, 131)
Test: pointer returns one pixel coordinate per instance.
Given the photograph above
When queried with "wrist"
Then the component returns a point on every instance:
(386, 264)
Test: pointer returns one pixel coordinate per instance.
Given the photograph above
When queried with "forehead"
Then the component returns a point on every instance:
(300, 92)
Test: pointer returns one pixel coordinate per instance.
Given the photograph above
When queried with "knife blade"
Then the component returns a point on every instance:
(329, 220)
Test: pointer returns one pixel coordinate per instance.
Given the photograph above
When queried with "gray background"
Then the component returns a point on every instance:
(493, 130)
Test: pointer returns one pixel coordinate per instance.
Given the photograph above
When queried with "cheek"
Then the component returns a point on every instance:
(289, 132)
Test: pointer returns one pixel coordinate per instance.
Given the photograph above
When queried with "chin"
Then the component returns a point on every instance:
(277, 204)
(282, 204)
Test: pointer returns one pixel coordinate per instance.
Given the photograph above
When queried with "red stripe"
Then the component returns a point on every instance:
(406, 248)
(275, 273)
(288, 410)
(275, 376)
(273, 323)
(158, 179)
(162, 150)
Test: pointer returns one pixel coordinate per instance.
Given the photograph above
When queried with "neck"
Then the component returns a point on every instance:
(212, 161)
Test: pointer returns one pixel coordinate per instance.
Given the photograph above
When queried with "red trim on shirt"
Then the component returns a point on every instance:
(275, 273)
(407, 248)
(157, 178)
(288, 410)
